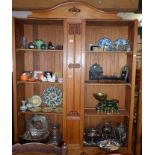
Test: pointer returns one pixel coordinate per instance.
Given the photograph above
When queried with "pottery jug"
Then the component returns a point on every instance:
(23, 106)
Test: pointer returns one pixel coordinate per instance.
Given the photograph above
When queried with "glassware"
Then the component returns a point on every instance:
(55, 133)
(24, 42)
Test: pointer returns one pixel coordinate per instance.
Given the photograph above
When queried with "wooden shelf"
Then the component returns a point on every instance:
(44, 113)
(95, 83)
(97, 149)
(36, 50)
(93, 112)
(112, 52)
(39, 82)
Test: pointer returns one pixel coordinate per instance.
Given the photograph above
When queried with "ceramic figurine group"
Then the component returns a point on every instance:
(96, 73)
(41, 76)
(39, 44)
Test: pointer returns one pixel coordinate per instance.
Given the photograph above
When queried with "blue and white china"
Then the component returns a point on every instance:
(105, 43)
(121, 44)
(52, 97)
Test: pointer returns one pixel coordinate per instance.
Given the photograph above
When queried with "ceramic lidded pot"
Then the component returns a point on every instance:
(107, 128)
(38, 43)
(24, 77)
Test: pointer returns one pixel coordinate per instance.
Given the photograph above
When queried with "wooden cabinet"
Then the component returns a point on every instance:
(75, 26)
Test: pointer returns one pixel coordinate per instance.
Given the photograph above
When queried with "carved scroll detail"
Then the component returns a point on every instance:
(73, 113)
(74, 10)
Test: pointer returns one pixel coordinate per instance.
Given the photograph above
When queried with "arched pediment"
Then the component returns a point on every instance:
(74, 10)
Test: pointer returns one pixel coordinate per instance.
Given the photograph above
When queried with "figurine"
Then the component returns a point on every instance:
(51, 78)
(43, 78)
(50, 46)
(31, 45)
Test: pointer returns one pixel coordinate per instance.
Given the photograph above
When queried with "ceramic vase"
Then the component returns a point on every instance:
(23, 106)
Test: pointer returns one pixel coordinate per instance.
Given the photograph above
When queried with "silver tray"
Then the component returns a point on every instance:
(37, 128)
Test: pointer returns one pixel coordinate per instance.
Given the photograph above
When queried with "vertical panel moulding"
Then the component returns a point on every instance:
(29, 90)
(15, 105)
(57, 62)
(49, 61)
(65, 47)
(77, 74)
(70, 74)
(36, 59)
(42, 62)
(28, 61)
(28, 32)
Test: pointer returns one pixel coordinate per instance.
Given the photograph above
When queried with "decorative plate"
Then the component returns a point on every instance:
(36, 101)
(52, 96)
(37, 128)
(109, 145)
(106, 43)
(121, 44)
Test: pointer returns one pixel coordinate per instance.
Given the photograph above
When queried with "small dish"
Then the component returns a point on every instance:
(47, 109)
(58, 110)
(35, 109)
(36, 101)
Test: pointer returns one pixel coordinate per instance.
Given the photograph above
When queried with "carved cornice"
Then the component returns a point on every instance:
(73, 10)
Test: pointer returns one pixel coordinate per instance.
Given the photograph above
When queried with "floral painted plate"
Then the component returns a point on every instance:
(106, 43)
(121, 44)
(36, 101)
(52, 97)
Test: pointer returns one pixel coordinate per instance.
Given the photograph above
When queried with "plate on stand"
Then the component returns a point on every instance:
(105, 43)
(121, 44)
(52, 97)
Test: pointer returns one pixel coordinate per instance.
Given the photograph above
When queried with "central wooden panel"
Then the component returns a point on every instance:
(73, 82)
(73, 71)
